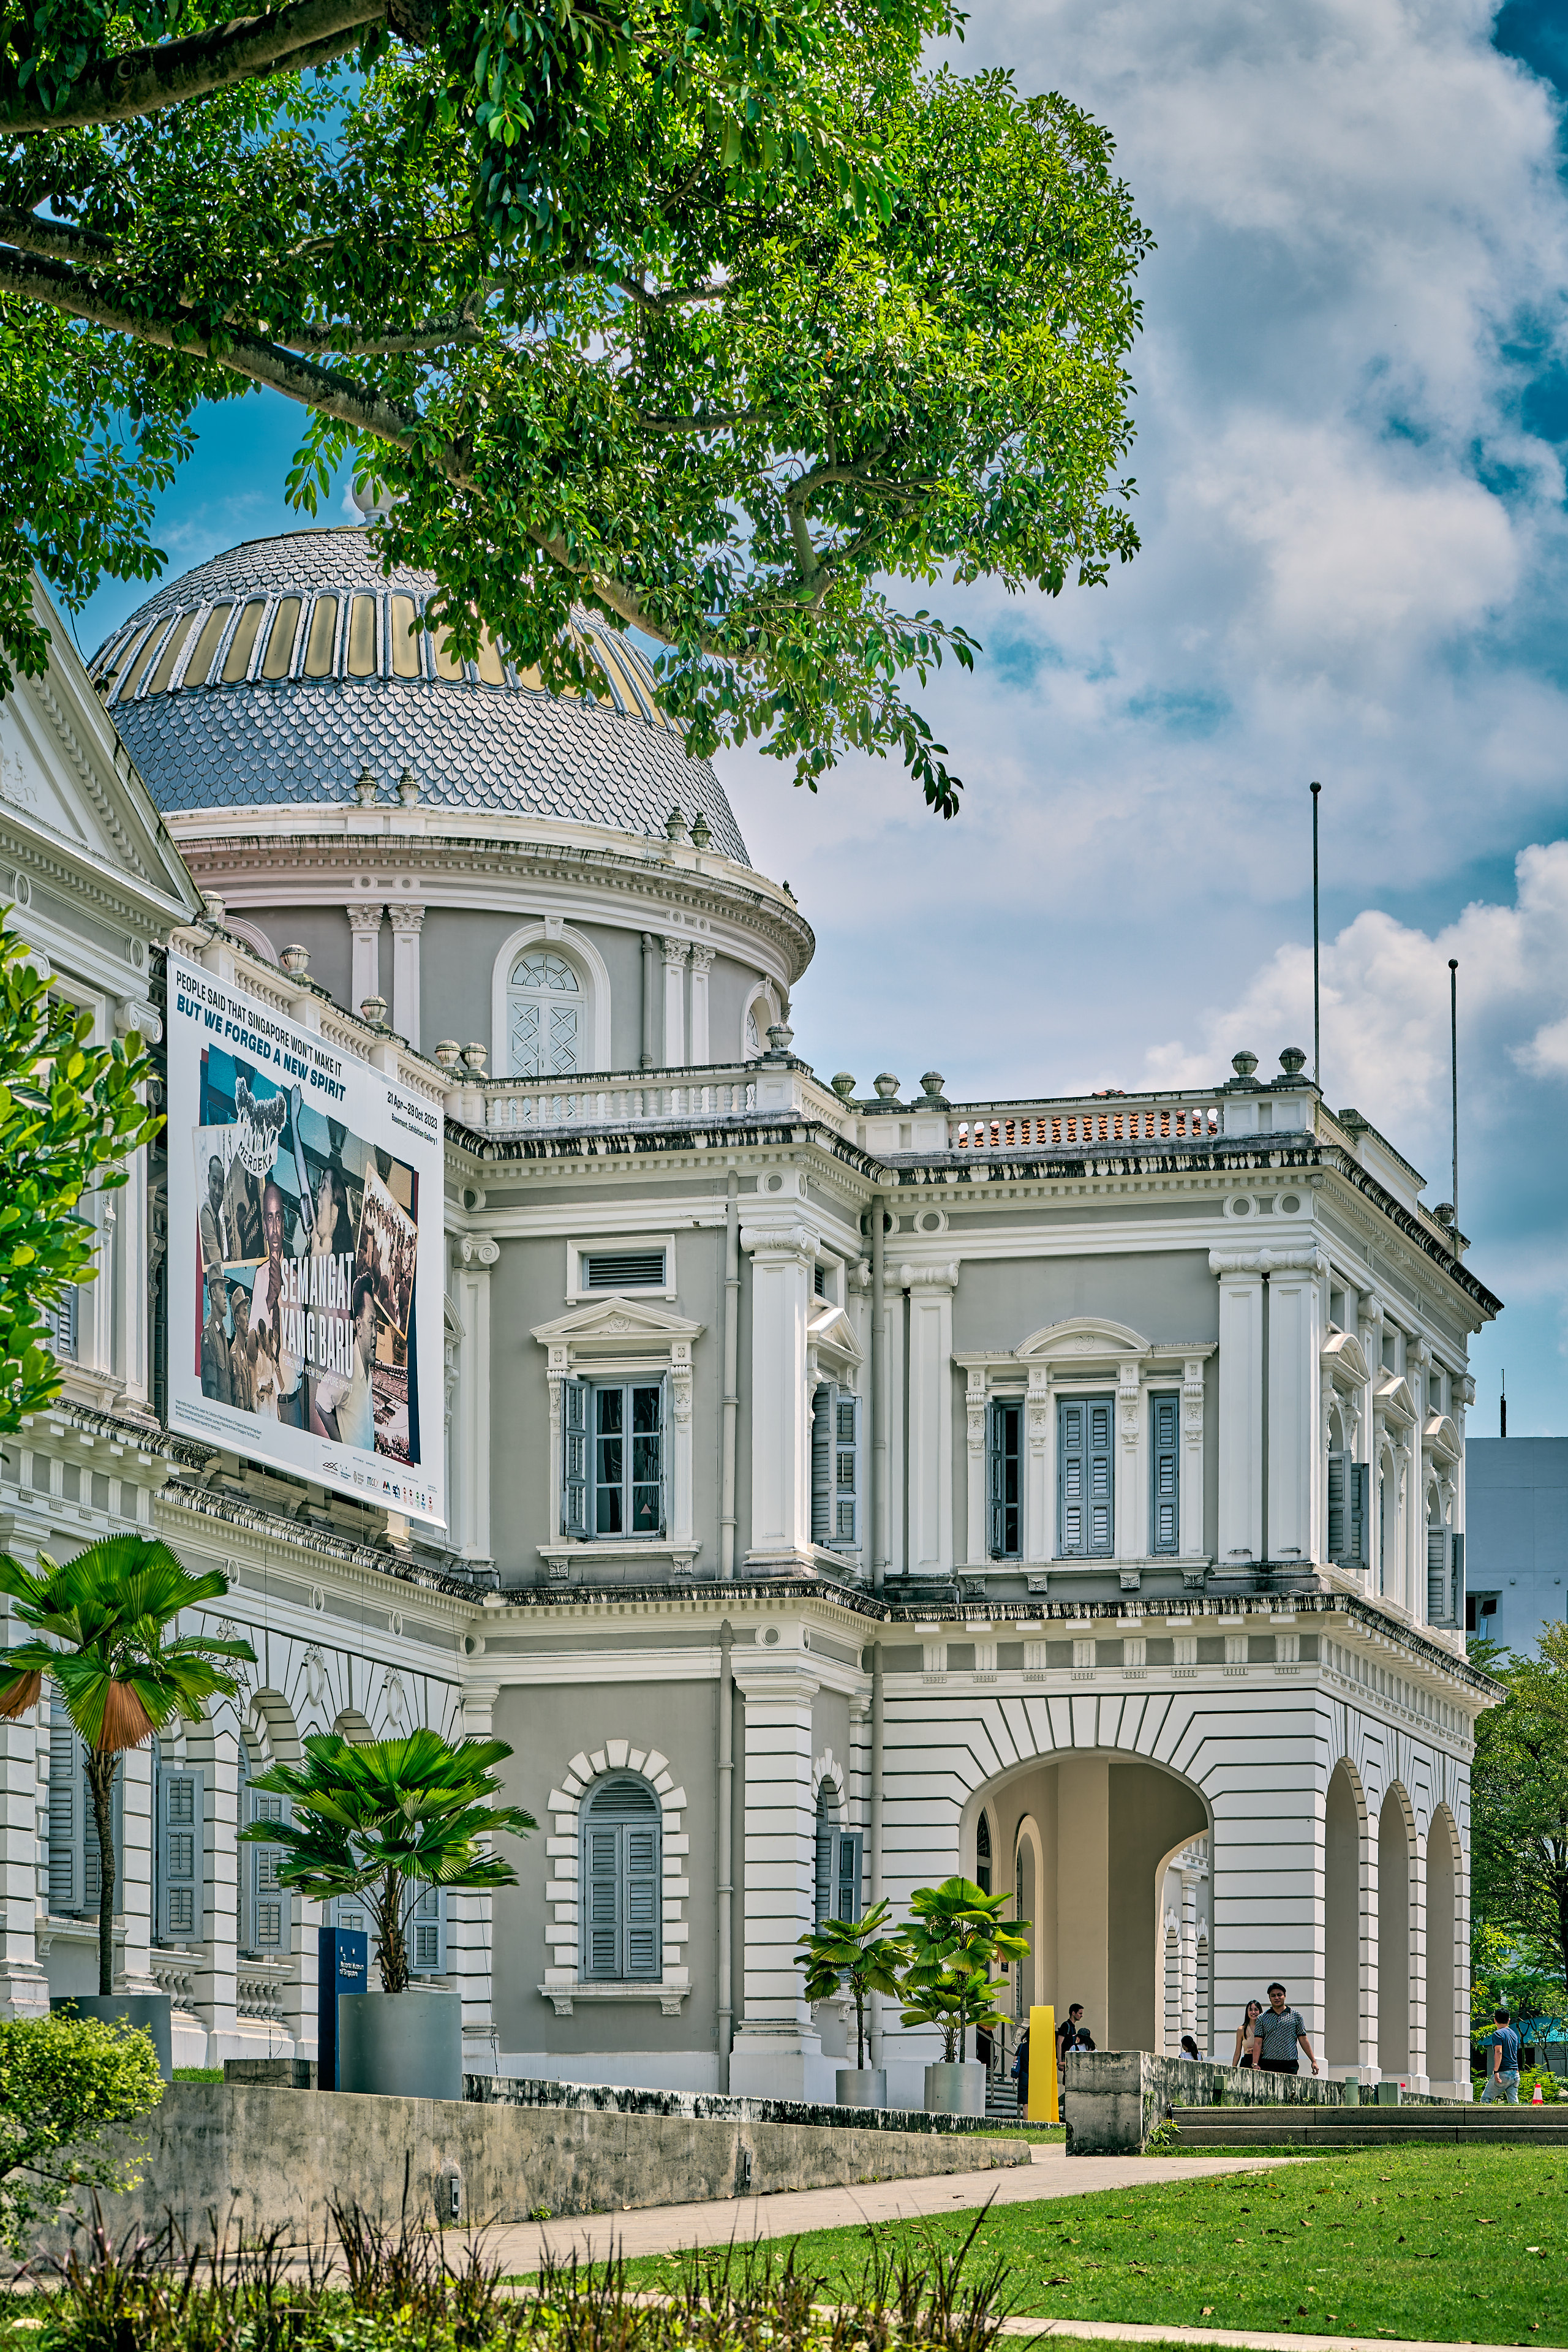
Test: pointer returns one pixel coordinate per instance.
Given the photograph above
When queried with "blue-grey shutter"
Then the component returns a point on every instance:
(1437, 1581)
(1456, 1579)
(822, 1878)
(1339, 1464)
(994, 1476)
(1071, 1477)
(1165, 1516)
(66, 1797)
(846, 1469)
(1101, 1525)
(823, 1398)
(63, 1316)
(575, 1457)
(1358, 1475)
(601, 1899)
(180, 1809)
(846, 1874)
(644, 1901)
(270, 1919)
(427, 1933)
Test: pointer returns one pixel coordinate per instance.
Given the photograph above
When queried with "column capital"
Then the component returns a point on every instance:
(778, 1241)
(477, 1250)
(1267, 1261)
(701, 956)
(363, 918)
(406, 918)
(930, 1277)
(675, 952)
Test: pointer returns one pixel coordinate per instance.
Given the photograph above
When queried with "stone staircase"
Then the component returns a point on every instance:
(1265, 2126)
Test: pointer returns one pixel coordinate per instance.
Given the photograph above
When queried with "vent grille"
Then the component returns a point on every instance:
(622, 1269)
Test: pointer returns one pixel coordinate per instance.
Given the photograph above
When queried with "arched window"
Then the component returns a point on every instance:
(544, 1016)
(621, 1876)
(982, 1854)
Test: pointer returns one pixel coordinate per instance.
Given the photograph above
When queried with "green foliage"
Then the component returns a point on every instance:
(955, 1939)
(1518, 1813)
(1513, 1971)
(729, 322)
(70, 1114)
(382, 1818)
(64, 2082)
(853, 1956)
(102, 1636)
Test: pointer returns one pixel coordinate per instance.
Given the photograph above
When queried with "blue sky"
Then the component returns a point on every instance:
(1353, 418)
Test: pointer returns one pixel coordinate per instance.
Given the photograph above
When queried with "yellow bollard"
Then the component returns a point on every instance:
(1044, 2105)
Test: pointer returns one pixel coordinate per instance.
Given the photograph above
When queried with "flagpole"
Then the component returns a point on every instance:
(1454, 1072)
(1317, 1013)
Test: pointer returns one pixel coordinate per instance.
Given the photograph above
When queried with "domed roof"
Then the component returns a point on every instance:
(282, 670)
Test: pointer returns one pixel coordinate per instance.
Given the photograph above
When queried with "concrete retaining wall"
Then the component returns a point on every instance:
(1113, 2101)
(533, 2091)
(272, 2158)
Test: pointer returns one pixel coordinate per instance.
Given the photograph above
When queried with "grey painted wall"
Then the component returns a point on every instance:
(323, 929)
(1167, 1294)
(546, 1728)
(1516, 1540)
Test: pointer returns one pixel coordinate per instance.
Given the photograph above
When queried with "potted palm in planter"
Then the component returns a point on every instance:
(853, 1956)
(104, 1638)
(384, 1819)
(956, 1936)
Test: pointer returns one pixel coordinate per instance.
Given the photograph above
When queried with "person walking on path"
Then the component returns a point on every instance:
(1275, 2033)
(1021, 2071)
(1502, 2074)
(1067, 2033)
(1242, 2054)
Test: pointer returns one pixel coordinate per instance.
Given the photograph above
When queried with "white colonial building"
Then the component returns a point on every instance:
(846, 1485)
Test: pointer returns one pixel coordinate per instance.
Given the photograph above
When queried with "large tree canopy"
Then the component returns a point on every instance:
(726, 320)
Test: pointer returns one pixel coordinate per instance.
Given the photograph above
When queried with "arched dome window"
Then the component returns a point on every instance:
(544, 1016)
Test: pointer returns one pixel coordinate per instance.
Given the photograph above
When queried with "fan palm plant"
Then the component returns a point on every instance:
(955, 1935)
(383, 1817)
(103, 1637)
(852, 1956)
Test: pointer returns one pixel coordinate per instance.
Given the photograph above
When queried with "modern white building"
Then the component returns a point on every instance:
(846, 1485)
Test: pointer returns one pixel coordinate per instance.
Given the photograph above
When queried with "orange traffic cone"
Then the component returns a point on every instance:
(1535, 2098)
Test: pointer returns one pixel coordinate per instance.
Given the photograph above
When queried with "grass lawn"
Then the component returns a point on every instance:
(1416, 2242)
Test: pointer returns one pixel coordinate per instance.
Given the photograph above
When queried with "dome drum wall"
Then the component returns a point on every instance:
(286, 670)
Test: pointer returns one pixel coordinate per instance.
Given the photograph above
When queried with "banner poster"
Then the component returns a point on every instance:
(305, 1252)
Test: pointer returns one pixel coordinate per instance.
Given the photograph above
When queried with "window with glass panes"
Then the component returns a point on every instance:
(628, 1458)
(1005, 1453)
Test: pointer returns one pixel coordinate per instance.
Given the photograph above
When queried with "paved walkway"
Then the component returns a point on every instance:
(667, 2229)
(1096, 2331)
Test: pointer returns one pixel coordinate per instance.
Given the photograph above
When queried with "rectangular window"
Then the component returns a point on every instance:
(178, 1861)
(834, 1466)
(1004, 1477)
(626, 1457)
(622, 1902)
(838, 1860)
(622, 1269)
(1164, 1471)
(270, 1919)
(1085, 1478)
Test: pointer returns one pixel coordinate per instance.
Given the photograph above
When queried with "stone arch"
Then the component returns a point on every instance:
(1105, 1821)
(1444, 1863)
(1344, 1840)
(760, 1011)
(1395, 1877)
(592, 973)
(273, 1729)
(1028, 1884)
(351, 1724)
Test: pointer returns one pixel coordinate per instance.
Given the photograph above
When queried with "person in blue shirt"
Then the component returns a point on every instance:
(1502, 2075)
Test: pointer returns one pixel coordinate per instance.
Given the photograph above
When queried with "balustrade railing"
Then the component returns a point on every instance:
(258, 1990)
(524, 1107)
(1079, 1128)
(177, 1977)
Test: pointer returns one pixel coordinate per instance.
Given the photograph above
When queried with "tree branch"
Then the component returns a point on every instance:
(143, 81)
(436, 334)
(58, 239)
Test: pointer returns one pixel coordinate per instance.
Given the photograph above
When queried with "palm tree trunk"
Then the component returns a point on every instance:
(391, 1945)
(100, 1771)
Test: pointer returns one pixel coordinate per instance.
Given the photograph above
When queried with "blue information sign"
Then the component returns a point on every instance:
(345, 1967)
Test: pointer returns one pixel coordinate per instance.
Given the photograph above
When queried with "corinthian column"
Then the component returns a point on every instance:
(406, 925)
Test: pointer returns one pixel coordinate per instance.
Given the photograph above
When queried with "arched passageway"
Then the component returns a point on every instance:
(1343, 1831)
(1442, 1922)
(1097, 1830)
(1395, 1842)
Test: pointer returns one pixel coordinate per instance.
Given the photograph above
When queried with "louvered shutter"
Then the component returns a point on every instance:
(1337, 1465)
(427, 1933)
(180, 1810)
(664, 1463)
(823, 1398)
(846, 1874)
(1071, 1477)
(602, 1902)
(1099, 1474)
(846, 1469)
(1438, 1585)
(1358, 1475)
(1166, 1469)
(574, 1458)
(268, 1897)
(1456, 1579)
(995, 1473)
(822, 1889)
(65, 1796)
(644, 1902)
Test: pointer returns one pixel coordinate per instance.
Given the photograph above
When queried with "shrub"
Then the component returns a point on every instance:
(64, 2082)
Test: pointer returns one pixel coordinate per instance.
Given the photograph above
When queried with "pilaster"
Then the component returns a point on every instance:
(1039, 1469)
(470, 1933)
(697, 1052)
(364, 922)
(930, 1289)
(1239, 1536)
(473, 1255)
(675, 955)
(1298, 1483)
(1190, 1504)
(1131, 1501)
(407, 922)
(782, 1258)
(777, 2052)
(977, 1535)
